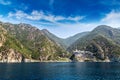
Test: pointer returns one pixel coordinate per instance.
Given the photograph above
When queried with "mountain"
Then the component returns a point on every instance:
(109, 32)
(65, 43)
(104, 48)
(39, 46)
(68, 41)
(106, 31)
(19, 42)
(103, 41)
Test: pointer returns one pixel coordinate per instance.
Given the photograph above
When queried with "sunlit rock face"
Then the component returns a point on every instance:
(86, 58)
(10, 55)
(82, 56)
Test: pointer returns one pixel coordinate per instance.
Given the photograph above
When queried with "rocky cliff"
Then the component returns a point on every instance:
(10, 55)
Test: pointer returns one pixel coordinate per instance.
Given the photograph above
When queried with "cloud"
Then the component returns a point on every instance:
(5, 2)
(18, 14)
(61, 29)
(65, 30)
(40, 15)
(77, 18)
(112, 19)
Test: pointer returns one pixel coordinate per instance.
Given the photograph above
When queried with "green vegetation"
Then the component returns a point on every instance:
(65, 43)
(103, 41)
(32, 43)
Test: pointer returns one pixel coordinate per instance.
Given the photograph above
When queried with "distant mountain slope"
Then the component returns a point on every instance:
(109, 32)
(68, 41)
(36, 41)
(54, 38)
(65, 43)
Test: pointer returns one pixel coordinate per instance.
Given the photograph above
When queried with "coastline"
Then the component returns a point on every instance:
(69, 61)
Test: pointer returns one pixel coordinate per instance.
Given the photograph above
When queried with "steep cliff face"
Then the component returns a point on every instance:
(10, 55)
(83, 56)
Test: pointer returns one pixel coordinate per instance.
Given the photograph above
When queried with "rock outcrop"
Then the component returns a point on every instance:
(10, 55)
(83, 56)
(86, 56)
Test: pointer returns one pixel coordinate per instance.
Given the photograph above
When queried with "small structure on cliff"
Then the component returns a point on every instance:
(79, 51)
(79, 55)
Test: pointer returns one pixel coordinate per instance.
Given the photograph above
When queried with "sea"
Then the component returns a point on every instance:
(60, 71)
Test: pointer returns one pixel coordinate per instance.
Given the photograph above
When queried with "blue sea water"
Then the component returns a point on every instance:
(60, 71)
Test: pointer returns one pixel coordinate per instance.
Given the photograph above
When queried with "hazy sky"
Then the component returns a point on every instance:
(62, 17)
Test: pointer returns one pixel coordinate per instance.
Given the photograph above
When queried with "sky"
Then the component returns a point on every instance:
(63, 18)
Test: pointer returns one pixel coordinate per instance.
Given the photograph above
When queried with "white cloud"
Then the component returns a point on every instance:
(65, 30)
(77, 18)
(60, 29)
(39, 15)
(5, 2)
(112, 19)
(18, 14)
(35, 15)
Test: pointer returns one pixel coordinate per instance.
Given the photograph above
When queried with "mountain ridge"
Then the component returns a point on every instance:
(65, 43)
(103, 43)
